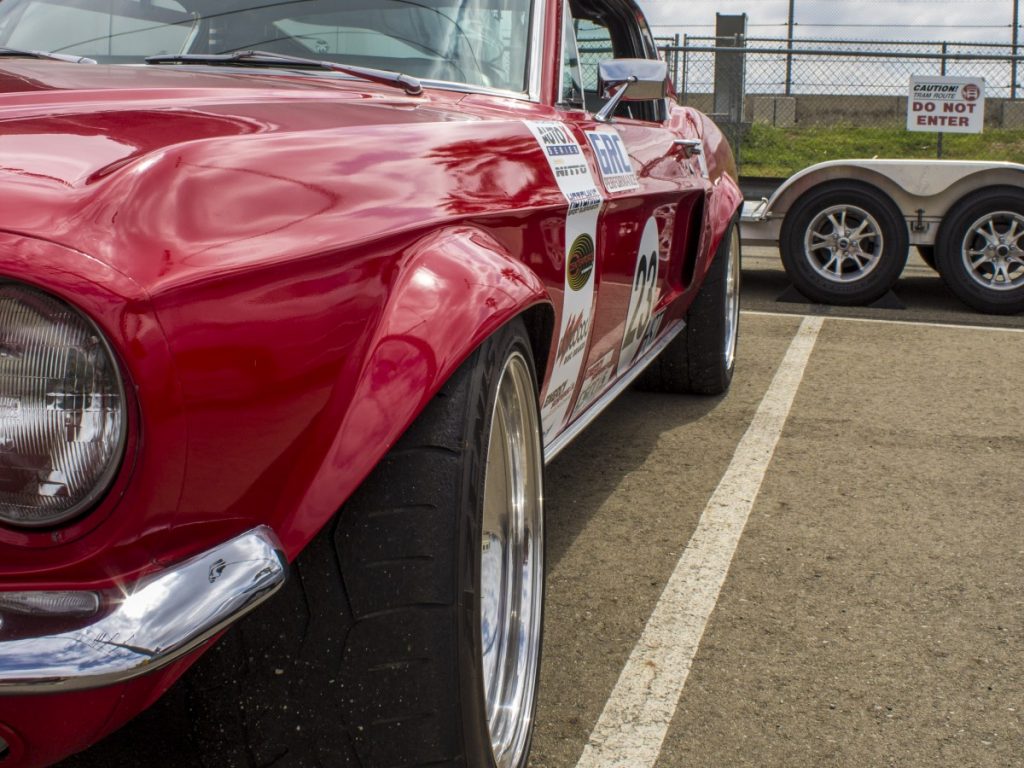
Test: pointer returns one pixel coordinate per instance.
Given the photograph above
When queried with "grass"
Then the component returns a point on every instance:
(780, 152)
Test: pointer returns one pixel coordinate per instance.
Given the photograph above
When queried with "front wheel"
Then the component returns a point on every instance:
(844, 243)
(410, 631)
(981, 251)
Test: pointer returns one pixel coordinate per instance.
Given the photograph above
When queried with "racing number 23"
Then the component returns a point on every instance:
(643, 297)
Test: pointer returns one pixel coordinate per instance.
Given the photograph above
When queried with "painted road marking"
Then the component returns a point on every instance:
(632, 727)
(919, 323)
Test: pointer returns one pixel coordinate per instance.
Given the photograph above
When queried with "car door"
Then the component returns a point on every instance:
(650, 224)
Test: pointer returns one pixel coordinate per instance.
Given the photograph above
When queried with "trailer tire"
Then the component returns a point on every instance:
(844, 243)
(981, 251)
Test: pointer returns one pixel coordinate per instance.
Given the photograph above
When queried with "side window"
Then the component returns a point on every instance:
(595, 42)
(572, 82)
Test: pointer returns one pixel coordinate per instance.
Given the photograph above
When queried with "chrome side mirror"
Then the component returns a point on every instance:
(630, 80)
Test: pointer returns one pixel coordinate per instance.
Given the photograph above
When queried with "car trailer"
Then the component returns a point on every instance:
(844, 228)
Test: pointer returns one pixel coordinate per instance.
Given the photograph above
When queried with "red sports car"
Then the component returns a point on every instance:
(301, 296)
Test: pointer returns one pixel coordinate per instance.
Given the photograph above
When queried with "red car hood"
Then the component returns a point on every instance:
(66, 123)
(154, 149)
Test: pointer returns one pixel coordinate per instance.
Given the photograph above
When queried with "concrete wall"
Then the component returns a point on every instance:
(790, 111)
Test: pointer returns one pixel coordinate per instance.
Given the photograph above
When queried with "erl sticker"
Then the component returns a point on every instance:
(613, 161)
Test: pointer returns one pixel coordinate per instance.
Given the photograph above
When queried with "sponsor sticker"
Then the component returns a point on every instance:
(580, 262)
(641, 323)
(613, 161)
(576, 182)
(599, 375)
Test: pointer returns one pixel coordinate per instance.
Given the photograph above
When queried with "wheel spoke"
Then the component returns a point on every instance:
(860, 230)
(1012, 235)
(982, 259)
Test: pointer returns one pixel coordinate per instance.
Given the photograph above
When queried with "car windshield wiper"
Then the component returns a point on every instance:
(15, 52)
(264, 59)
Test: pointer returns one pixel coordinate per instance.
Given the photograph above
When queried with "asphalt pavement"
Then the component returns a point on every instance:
(873, 610)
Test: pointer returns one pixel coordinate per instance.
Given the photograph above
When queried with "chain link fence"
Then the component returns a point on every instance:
(812, 85)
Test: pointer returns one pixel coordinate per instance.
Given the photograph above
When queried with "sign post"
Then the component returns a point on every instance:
(946, 105)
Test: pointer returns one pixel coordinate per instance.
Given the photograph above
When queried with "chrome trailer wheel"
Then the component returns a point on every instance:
(843, 243)
(981, 250)
(992, 251)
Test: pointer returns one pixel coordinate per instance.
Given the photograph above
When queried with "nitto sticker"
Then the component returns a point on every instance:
(613, 161)
(642, 300)
(572, 174)
(580, 262)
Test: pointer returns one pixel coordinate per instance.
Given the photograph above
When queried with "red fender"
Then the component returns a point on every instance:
(420, 341)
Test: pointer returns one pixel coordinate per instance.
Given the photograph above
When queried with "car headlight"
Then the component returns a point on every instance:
(62, 410)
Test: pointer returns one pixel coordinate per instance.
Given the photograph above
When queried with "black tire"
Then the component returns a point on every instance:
(927, 254)
(985, 287)
(372, 654)
(702, 358)
(829, 264)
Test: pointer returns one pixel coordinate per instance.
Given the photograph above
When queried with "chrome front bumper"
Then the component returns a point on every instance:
(153, 623)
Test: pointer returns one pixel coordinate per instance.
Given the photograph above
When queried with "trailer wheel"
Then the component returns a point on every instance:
(981, 251)
(844, 243)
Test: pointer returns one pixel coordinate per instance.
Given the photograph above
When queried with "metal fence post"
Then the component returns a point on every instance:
(789, 45)
(1016, 40)
(942, 71)
(684, 87)
(675, 68)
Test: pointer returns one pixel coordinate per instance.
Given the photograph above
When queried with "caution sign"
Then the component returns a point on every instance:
(946, 104)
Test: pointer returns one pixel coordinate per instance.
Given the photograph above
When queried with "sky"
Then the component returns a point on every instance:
(972, 20)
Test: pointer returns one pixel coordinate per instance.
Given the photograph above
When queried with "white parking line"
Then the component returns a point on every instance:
(919, 323)
(632, 727)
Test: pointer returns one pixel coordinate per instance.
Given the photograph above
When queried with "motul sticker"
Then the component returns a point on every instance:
(613, 161)
(572, 174)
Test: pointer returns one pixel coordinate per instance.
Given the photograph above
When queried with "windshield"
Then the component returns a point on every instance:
(477, 42)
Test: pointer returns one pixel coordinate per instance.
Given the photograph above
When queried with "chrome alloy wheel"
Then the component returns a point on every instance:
(512, 564)
(843, 243)
(993, 251)
(732, 299)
